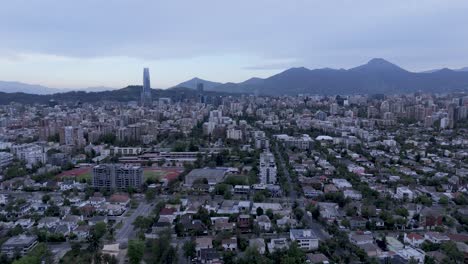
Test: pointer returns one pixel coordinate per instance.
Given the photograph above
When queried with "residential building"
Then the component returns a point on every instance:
(117, 176)
(306, 238)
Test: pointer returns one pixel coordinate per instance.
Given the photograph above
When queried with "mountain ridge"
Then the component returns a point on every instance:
(376, 76)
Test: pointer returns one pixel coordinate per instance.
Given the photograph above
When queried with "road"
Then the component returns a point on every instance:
(293, 198)
(292, 190)
(59, 250)
(127, 231)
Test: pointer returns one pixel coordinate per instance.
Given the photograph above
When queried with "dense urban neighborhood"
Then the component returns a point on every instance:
(236, 179)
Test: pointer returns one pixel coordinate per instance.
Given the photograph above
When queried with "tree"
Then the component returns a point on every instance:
(45, 198)
(259, 211)
(143, 223)
(96, 233)
(189, 249)
(136, 249)
(150, 194)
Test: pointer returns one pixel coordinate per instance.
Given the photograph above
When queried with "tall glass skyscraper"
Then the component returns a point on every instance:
(146, 99)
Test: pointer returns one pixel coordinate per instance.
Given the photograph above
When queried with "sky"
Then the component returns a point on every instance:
(87, 43)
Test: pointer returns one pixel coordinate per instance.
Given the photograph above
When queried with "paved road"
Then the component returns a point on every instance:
(127, 231)
(59, 250)
(292, 190)
(308, 220)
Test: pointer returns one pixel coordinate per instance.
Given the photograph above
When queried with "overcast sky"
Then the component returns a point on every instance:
(76, 44)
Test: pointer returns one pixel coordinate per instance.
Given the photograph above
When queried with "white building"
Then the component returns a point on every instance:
(306, 238)
(235, 134)
(30, 153)
(353, 194)
(303, 142)
(5, 159)
(267, 168)
(404, 192)
(412, 253)
(342, 184)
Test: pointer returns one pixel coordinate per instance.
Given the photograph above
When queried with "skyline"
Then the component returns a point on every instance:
(62, 49)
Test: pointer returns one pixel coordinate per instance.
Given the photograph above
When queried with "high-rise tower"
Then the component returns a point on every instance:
(146, 99)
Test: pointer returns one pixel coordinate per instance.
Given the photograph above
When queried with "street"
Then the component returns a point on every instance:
(127, 231)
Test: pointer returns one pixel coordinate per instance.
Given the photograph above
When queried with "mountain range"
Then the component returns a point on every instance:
(376, 76)
(15, 87)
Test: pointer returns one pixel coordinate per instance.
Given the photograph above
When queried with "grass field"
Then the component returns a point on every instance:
(153, 175)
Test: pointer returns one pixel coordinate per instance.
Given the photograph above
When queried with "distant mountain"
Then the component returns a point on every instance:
(464, 69)
(129, 93)
(19, 87)
(95, 89)
(13, 87)
(376, 76)
(192, 84)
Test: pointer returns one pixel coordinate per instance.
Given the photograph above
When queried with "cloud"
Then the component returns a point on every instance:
(344, 33)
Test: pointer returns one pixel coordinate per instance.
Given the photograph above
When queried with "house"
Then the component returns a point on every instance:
(310, 192)
(60, 229)
(257, 243)
(342, 184)
(96, 219)
(357, 222)
(48, 222)
(71, 221)
(286, 221)
(122, 199)
(275, 207)
(21, 244)
(431, 217)
(404, 192)
(278, 244)
(378, 222)
(203, 243)
(409, 253)
(361, 239)
(318, 258)
(329, 211)
(209, 256)
(371, 249)
(306, 238)
(168, 214)
(352, 194)
(414, 239)
(111, 249)
(25, 223)
(394, 244)
(243, 222)
(229, 244)
(96, 200)
(222, 224)
(436, 237)
(82, 232)
(114, 209)
(263, 222)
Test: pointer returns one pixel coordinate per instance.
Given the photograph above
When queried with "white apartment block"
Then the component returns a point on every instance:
(267, 168)
(30, 153)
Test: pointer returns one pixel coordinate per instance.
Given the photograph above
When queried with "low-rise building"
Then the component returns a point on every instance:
(21, 244)
(306, 238)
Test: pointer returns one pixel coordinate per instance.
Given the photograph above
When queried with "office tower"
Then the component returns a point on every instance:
(117, 176)
(200, 88)
(146, 99)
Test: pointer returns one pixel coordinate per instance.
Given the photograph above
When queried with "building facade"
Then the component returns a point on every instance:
(117, 176)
